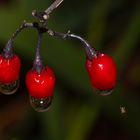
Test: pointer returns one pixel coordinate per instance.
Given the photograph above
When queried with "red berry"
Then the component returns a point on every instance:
(40, 85)
(9, 69)
(102, 71)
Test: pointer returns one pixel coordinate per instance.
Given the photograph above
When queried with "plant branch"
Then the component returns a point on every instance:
(53, 6)
(43, 16)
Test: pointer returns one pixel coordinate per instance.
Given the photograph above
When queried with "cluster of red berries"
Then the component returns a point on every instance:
(40, 85)
(102, 71)
(40, 80)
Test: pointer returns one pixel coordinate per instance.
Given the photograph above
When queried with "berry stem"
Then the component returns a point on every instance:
(8, 50)
(90, 51)
(37, 64)
(22, 26)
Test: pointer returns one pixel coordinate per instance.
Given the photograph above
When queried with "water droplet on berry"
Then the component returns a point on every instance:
(41, 104)
(103, 92)
(9, 88)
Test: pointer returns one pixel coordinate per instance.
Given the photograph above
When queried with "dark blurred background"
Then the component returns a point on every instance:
(77, 113)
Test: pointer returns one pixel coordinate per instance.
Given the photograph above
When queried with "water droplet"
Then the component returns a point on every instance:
(41, 104)
(9, 88)
(103, 92)
(123, 112)
(122, 109)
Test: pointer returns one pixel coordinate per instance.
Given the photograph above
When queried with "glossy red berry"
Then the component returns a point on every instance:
(40, 85)
(102, 72)
(9, 69)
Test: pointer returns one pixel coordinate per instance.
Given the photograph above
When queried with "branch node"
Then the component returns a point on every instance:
(66, 35)
(43, 16)
(50, 32)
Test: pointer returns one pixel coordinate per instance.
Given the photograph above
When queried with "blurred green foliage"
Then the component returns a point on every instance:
(77, 113)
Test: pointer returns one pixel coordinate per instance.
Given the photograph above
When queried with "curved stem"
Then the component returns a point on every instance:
(8, 50)
(23, 26)
(90, 51)
(37, 64)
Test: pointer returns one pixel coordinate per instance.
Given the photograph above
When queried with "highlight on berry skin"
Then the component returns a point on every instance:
(40, 87)
(9, 74)
(103, 72)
